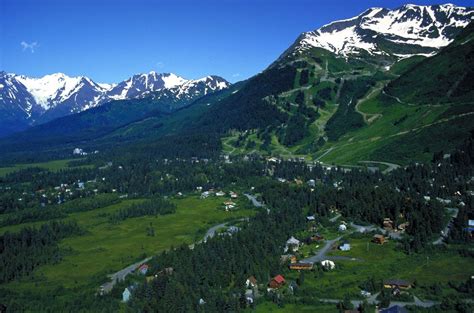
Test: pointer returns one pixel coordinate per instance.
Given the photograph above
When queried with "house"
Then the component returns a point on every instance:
(300, 266)
(387, 224)
(396, 283)
(286, 257)
(77, 151)
(199, 188)
(232, 230)
(311, 183)
(292, 244)
(201, 301)
(394, 309)
(342, 227)
(205, 194)
(402, 226)
(274, 160)
(220, 194)
(229, 205)
(143, 269)
(276, 282)
(365, 293)
(379, 239)
(299, 182)
(233, 195)
(251, 282)
(310, 218)
(127, 293)
(328, 264)
(345, 246)
(314, 238)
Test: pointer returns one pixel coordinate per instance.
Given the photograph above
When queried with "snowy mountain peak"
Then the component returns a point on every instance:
(171, 80)
(36, 100)
(50, 89)
(408, 30)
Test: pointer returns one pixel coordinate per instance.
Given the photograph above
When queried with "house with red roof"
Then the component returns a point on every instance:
(143, 269)
(276, 282)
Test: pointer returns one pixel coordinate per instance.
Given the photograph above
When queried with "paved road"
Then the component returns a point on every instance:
(212, 231)
(445, 232)
(254, 200)
(120, 275)
(372, 300)
(391, 166)
(321, 255)
(369, 228)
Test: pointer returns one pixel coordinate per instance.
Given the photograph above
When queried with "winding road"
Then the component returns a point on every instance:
(454, 213)
(254, 200)
(321, 255)
(391, 166)
(120, 275)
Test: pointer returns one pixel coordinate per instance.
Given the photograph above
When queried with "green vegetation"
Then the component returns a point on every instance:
(106, 248)
(387, 262)
(51, 165)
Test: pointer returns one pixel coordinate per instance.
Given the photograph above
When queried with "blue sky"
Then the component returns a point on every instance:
(110, 40)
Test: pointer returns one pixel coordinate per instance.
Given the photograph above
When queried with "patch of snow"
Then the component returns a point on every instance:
(171, 80)
(47, 88)
(344, 36)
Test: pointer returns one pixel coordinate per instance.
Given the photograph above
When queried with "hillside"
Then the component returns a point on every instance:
(339, 107)
(369, 113)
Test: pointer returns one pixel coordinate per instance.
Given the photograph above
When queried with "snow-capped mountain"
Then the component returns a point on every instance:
(193, 88)
(28, 101)
(402, 32)
(141, 84)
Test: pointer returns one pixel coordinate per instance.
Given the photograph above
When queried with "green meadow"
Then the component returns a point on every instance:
(387, 262)
(107, 248)
(51, 165)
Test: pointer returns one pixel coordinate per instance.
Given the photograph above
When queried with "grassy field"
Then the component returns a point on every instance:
(107, 247)
(395, 127)
(387, 262)
(51, 165)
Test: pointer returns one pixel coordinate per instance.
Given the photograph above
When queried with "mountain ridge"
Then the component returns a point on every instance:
(26, 101)
(419, 30)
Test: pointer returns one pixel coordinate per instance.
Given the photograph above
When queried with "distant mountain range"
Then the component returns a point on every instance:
(26, 101)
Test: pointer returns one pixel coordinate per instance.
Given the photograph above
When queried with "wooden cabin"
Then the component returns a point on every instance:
(379, 239)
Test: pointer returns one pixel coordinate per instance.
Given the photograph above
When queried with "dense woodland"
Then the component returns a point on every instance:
(155, 206)
(215, 271)
(22, 252)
